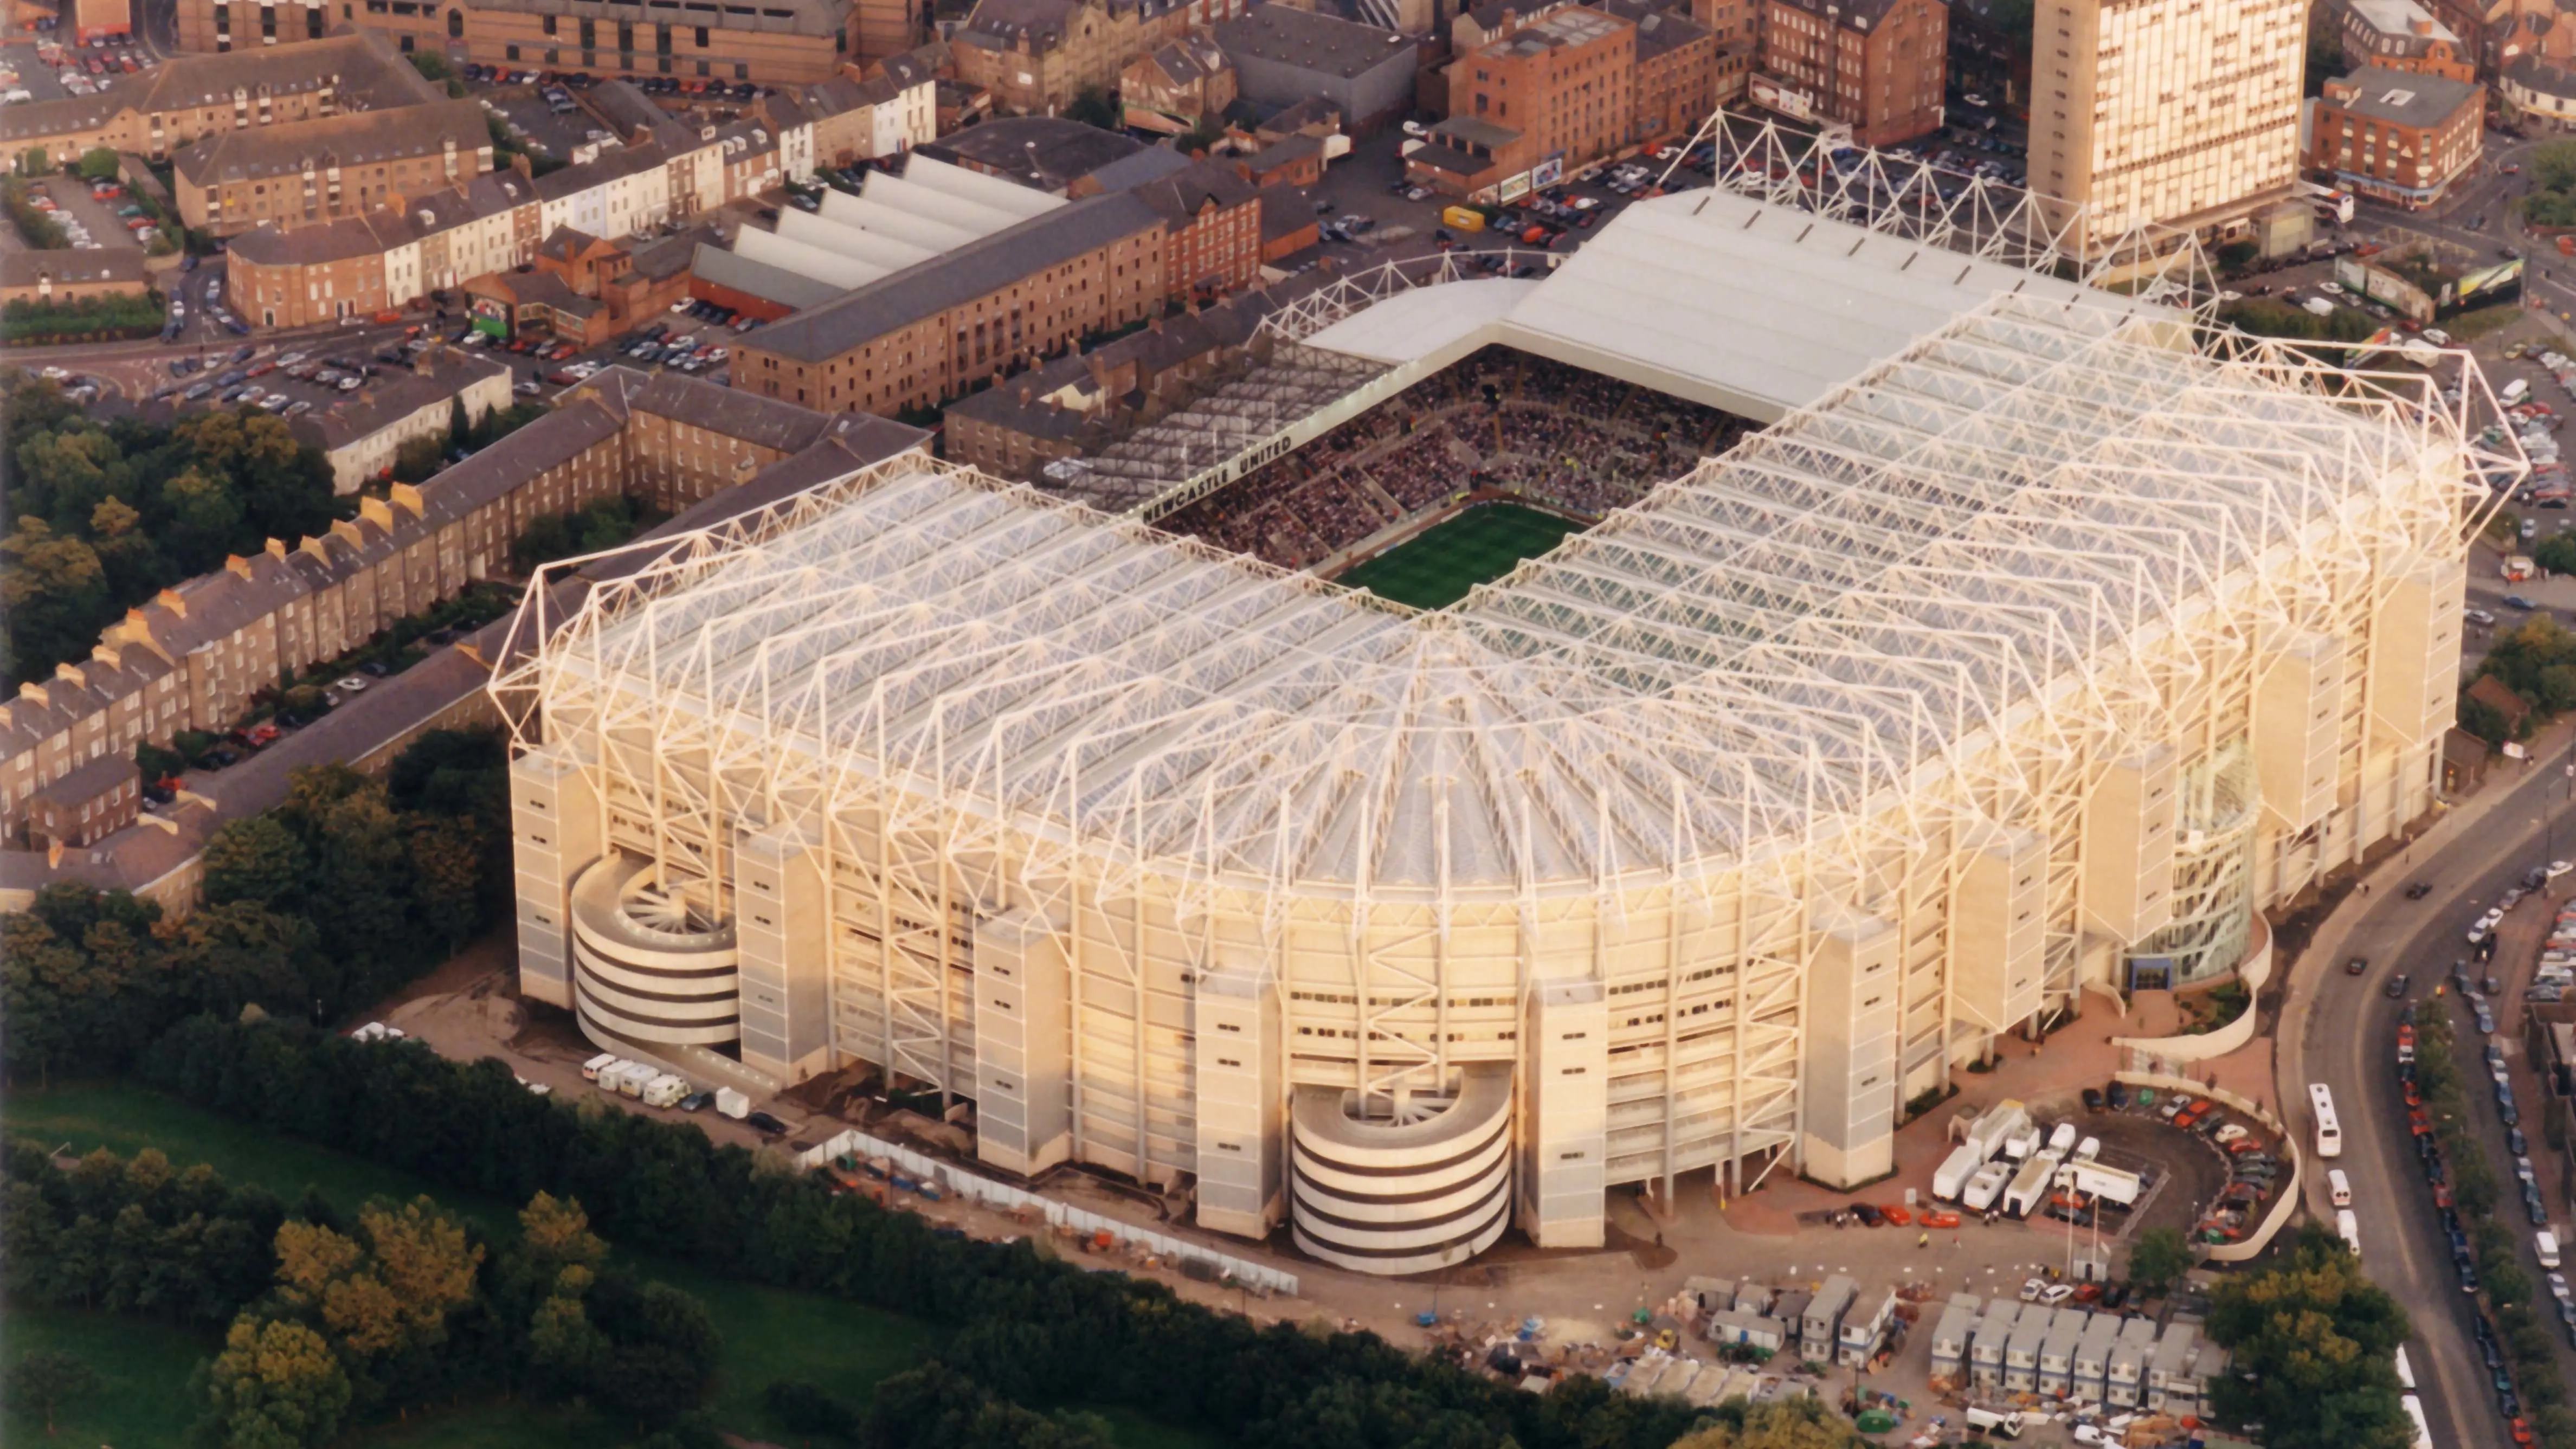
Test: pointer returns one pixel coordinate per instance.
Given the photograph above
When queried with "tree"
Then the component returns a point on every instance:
(1092, 107)
(45, 1380)
(55, 594)
(256, 859)
(98, 163)
(2313, 1342)
(1802, 1423)
(2159, 1257)
(204, 517)
(275, 1385)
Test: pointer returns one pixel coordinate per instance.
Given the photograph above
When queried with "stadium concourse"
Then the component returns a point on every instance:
(2036, 629)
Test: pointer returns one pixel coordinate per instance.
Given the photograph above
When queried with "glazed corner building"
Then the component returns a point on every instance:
(2060, 640)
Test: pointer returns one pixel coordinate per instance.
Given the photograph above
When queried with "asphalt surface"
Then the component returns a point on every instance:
(2351, 1038)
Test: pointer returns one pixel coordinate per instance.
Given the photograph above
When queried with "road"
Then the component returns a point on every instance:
(2475, 222)
(2350, 1044)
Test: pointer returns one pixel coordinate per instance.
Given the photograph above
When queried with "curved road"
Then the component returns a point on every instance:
(2350, 1041)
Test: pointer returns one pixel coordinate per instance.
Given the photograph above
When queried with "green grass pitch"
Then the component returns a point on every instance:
(1438, 566)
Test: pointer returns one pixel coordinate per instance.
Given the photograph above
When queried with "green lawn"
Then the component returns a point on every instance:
(143, 1370)
(1437, 567)
(769, 1333)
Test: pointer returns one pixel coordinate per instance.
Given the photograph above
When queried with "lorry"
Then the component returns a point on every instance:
(665, 1090)
(631, 1077)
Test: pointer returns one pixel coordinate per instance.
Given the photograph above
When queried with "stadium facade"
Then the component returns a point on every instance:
(2059, 635)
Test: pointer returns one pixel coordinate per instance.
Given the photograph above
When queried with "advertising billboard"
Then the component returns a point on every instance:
(491, 316)
(1548, 172)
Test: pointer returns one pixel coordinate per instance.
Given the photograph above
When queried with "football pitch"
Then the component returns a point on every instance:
(1439, 566)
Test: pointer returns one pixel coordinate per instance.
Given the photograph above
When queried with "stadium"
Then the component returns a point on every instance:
(1952, 637)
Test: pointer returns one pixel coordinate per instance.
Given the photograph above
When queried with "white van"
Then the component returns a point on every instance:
(2405, 1371)
(2545, 1243)
(2514, 392)
(2348, 1228)
(2338, 1187)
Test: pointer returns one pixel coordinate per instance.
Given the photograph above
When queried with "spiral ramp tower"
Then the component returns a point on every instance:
(1403, 1183)
(648, 963)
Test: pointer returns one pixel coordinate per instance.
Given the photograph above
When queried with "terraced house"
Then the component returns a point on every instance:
(767, 41)
(193, 97)
(307, 172)
(193, 657)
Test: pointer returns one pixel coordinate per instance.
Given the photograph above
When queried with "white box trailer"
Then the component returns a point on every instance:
(1996, 1123)
(1985, 1187)
(1951, 1177)
(2030, 1187)
(633, 1077)
(732, 1103)
(2111, 1184)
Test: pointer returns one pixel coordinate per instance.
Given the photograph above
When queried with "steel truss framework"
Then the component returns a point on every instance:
(1801, 685)
(1974, 215)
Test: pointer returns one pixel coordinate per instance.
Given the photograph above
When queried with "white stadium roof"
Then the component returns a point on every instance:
(895, 222)
(1745, 304)
(2014, 511)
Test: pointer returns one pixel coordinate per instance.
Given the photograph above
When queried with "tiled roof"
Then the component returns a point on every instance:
(1045, 152)
(70, 268)
(984, 265)
(440, 374)
(365, 70)
(362, 139)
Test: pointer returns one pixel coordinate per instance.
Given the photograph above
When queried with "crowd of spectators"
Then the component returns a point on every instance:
(1499, 422)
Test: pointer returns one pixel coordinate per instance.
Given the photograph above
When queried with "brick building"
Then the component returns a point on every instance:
(1565, 86)
(775, 42)
(290, 275)
(193, 657)
(1079, 403)
(360, 435)
(2397, 136)
(189, 97)
(1683, 70)
(69, 276)
(329, 168)
(88, 805)
(1213, 212)
(924, 334)
(1178, 88)
(1036, 56)
(1878, 66)
(2402, 35)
